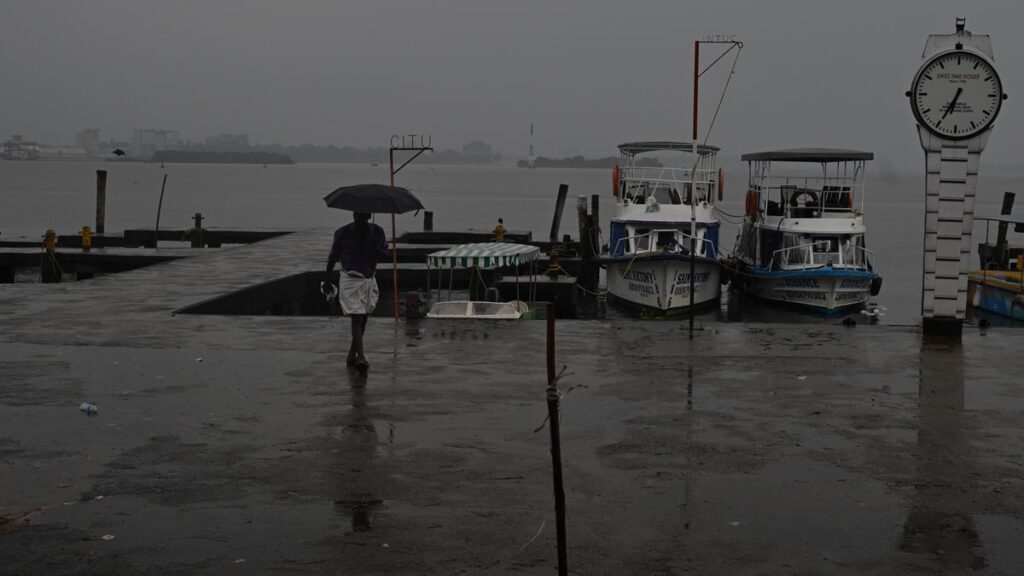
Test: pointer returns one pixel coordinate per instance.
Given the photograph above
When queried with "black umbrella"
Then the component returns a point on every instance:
(381, 199)
(374, 198)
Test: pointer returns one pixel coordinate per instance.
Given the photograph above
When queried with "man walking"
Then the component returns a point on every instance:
(358, 246)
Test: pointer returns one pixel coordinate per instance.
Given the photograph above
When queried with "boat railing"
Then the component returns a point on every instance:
(808, 257)
(681, 247)
(810, 197)
(867, 257)
(669, 174)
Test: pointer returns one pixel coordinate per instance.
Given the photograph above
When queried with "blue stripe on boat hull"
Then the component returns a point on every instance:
(824, 290)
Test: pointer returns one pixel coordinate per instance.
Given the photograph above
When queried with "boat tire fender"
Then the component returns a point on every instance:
(876, 285)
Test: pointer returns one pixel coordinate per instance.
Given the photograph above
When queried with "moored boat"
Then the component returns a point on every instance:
(802, 240)
(665, 229)
(477, 259)
(998, 286)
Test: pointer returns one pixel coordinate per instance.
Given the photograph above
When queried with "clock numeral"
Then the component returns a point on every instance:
(927, 76)
(972, 126)
(987, 78)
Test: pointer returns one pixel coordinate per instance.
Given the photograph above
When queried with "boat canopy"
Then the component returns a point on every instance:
(808, 155)
(485, 255)
(1017, 219)
(634, 148)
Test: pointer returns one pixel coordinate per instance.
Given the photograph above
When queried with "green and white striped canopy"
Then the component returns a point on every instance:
(483, 255)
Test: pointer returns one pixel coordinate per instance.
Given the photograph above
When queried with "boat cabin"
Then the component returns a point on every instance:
(807, 214)
(660, 209)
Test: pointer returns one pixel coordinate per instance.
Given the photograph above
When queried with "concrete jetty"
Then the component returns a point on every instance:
(242, 444)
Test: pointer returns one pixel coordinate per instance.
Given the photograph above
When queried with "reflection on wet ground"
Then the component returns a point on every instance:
(939, 522)
(359, 445)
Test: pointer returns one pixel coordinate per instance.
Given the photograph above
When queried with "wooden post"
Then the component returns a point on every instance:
(553, 264)
(1001, 249)
(595, 212)
(556, 444)
(159, 206)
(563, 191)
(101, 201)
(588, 271)
(428, 221)
(197, 231)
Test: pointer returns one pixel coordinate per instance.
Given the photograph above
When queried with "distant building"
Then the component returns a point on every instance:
(17, 148)
(228, 143)
(146, 141)
(89, 140)
(62, 153)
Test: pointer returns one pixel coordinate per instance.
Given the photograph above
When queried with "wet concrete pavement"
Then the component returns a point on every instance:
(242, 445)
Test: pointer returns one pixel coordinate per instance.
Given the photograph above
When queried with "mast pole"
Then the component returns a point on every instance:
(693, 180)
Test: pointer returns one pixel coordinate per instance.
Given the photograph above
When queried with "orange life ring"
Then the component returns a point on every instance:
(616, 174)
(752, 202)
(800, 192)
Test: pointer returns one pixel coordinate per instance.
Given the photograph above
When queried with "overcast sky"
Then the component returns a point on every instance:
(589, 74)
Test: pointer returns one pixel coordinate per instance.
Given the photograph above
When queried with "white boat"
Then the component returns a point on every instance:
(480, 258)
(665, 229)
(802, 241)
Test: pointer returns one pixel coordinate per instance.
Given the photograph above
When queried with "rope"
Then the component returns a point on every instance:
(732, 71)
(738, 217)
(481, 278)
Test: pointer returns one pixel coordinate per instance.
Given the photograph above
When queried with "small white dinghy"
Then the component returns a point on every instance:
(465, 309)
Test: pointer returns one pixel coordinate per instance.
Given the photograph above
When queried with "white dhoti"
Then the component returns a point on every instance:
(357, 293)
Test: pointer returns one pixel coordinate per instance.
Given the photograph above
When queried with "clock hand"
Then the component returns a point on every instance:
(952, 103)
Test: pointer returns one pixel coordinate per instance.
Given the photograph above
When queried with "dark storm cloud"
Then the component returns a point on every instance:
(588, 74)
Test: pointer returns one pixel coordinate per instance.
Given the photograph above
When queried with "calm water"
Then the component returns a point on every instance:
(35, 196)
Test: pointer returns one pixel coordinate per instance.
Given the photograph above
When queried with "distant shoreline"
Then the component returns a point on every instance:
(581, 162)
(206, 157)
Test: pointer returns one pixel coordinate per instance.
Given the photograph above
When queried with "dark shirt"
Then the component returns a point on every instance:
(359, 251)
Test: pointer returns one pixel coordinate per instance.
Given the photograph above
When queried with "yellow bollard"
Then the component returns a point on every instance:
(1020, 262)
(86, 239)
(49, 270)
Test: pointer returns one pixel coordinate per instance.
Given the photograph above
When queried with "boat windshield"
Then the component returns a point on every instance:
(669, 240)
(812, 251)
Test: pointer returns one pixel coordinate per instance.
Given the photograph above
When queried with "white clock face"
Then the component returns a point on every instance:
(957, 95)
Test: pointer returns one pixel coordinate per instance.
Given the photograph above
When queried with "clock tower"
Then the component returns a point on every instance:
(955, 96)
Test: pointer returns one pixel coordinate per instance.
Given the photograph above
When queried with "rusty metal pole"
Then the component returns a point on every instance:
(693, 183)
(556, 444)
(394, 243)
